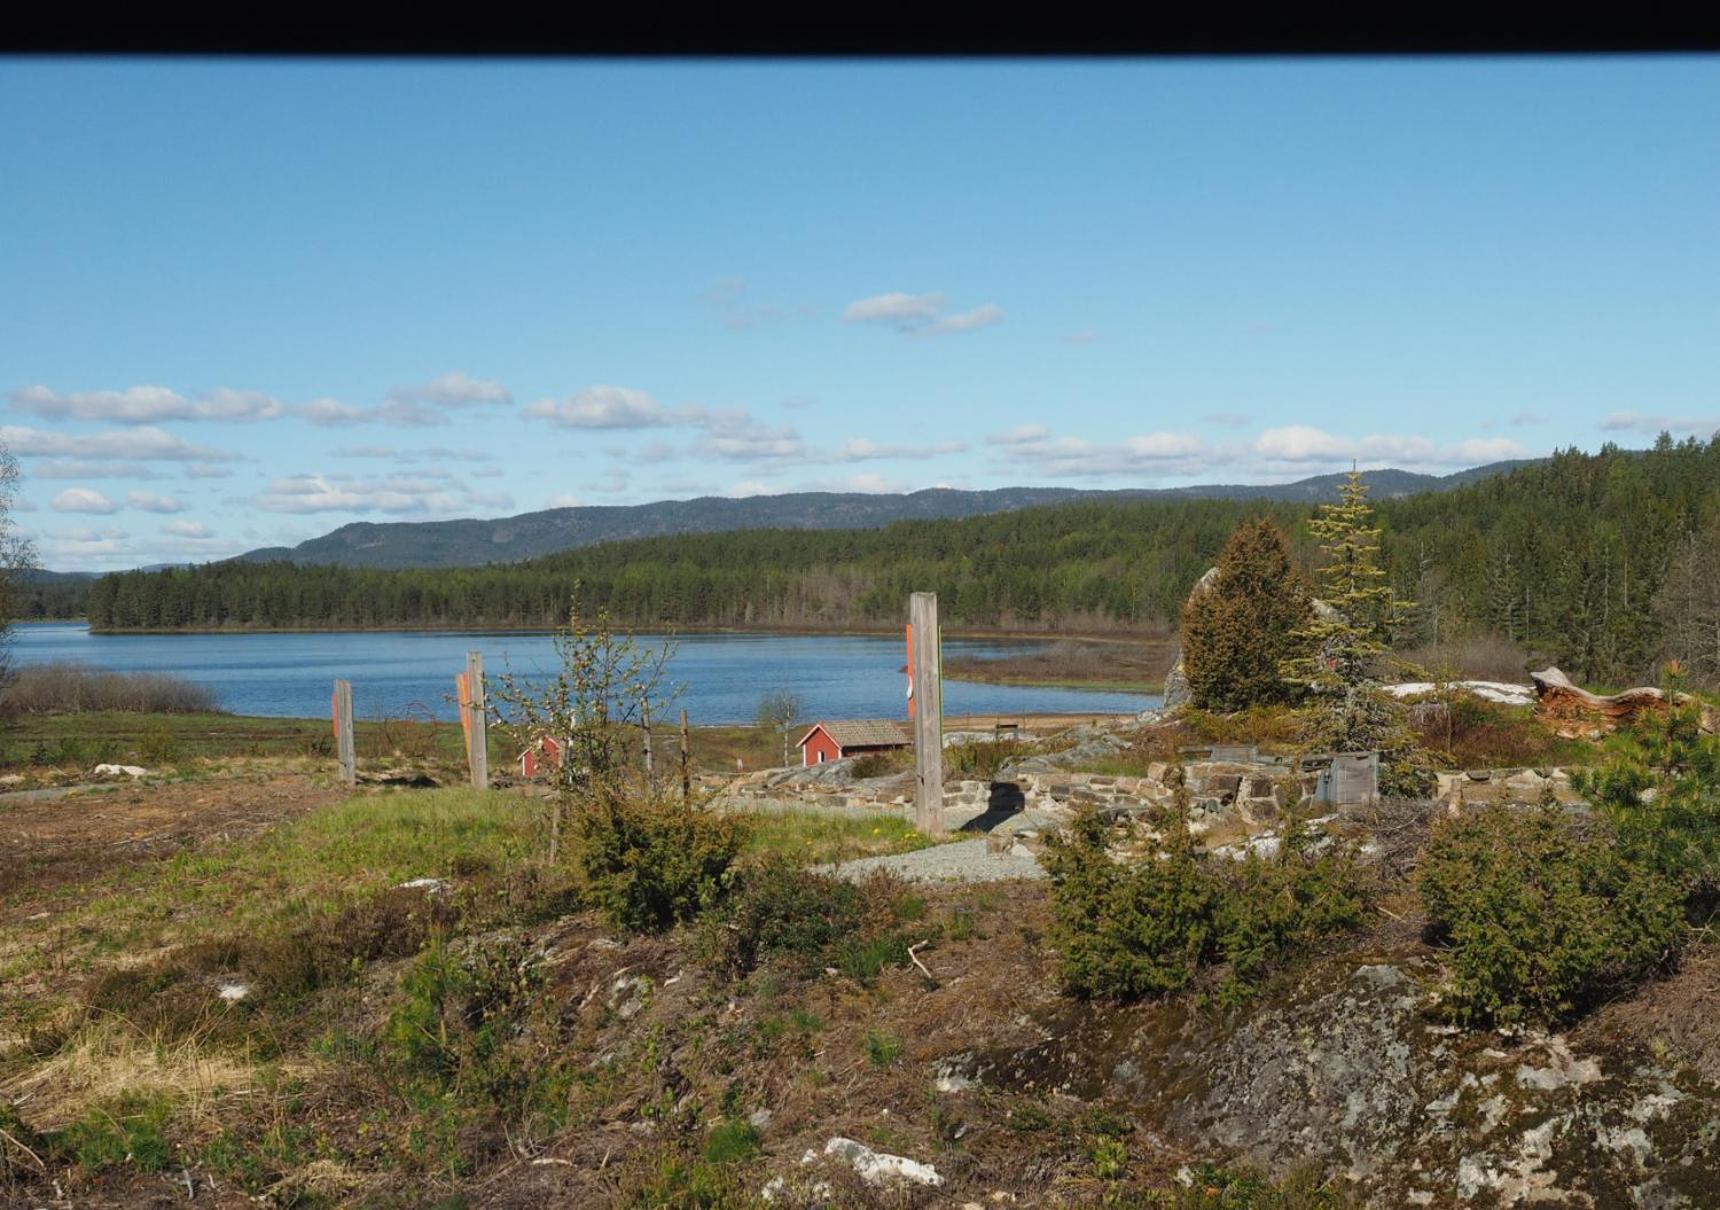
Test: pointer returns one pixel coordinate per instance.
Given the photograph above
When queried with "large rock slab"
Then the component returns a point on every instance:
(1347, 1067)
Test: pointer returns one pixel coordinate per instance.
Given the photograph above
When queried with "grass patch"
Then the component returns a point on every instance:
(824, 839)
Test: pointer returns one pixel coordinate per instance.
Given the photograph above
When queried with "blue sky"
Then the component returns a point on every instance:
(246, 302)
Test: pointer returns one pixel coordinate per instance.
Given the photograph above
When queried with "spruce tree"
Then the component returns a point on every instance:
(1346, 640)
(1237, 634)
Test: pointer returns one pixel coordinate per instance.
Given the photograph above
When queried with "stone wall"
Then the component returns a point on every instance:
(1254, 790)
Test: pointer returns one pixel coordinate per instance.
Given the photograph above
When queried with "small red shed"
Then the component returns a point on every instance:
(543, 755)
(850, 737)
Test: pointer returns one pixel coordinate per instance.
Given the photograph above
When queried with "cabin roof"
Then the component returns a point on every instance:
(861, 732)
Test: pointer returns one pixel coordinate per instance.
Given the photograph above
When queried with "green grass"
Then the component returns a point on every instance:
(347, 853)
(817, 839)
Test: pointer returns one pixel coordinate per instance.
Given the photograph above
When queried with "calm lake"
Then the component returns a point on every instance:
(401, 673)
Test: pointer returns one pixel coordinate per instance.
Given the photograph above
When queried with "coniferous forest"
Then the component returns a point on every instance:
(1591, 560)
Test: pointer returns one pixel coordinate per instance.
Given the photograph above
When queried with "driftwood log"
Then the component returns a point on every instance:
(1578, 714)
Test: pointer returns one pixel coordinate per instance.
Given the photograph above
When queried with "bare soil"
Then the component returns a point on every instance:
(48, 844)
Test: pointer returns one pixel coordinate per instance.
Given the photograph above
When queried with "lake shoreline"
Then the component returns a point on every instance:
(719, 676)
(962, 632)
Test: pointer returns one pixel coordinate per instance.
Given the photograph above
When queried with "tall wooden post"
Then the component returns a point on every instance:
(928, 715)
(686, 775)
(645, 723)
(343, 732)
(477, 733)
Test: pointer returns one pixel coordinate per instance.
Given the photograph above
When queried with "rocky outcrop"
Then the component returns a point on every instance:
(1350, 1068)
(1578, 714)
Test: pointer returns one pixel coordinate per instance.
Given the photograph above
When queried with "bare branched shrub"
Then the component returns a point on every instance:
(1478, 657)
(67, 688)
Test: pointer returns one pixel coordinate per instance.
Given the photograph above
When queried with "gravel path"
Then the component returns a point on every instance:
(961, 861)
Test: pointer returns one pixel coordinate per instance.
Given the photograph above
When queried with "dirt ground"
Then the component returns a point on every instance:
(50, 842)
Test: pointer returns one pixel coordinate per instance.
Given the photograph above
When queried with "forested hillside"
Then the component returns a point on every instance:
(472, 542)
(1567, 558)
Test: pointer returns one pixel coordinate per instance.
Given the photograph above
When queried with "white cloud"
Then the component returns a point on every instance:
(919, 314)
(867, 481)
(332, 413)
(224, 403)
(982, 316)
(145, 405)
(1303, 444)
(72, 468)
(750, 487)
(734, 309)
(1026, 434)
(898, 310)
(1653, 424)
(398, 413)
(150, 502)
(195, 530)
(82, 500)
(564, 500)
(141, 444)
(431, 493)
(859, 449)
(1157, 454)
(754, 441)
(610, 407)
(453, 390)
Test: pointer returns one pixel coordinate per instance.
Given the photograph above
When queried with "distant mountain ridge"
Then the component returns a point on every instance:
(473, 543)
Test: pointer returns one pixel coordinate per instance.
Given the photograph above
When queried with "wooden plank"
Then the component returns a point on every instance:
(477, 743)
(928, 716)
(344, 749)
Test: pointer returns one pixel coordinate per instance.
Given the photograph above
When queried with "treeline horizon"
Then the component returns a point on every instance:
(1566, 559)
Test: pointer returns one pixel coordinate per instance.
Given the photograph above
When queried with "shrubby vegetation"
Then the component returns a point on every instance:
(653, 862)
(1547, 910)
(1238, 634)
(71, 688)
(1148, 927)
(1574, 559)
(1542, 914)
(811, 922)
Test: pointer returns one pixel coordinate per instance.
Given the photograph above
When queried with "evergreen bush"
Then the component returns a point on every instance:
(1542, 914)
(1239, 632)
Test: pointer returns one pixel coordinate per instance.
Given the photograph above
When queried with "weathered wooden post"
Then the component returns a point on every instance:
(686, 776)
(477, 715)
(928, 715)
(344, 750)
(645, 724)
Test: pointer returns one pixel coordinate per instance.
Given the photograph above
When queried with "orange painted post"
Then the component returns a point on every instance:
(476, 717)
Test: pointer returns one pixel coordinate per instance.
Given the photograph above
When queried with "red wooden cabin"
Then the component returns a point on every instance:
(850, 737)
